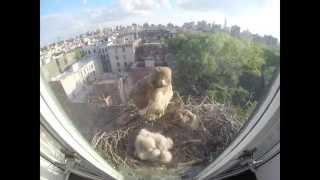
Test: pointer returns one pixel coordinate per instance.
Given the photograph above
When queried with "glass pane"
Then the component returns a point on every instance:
(158, 95)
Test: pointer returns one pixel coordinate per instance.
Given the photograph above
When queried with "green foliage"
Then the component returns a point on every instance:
(77, 54)
(69, 58)
(227, 69)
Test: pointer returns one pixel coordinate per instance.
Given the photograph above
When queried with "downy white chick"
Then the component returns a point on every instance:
(165, 156)
(162, 143)
(145, 146)
(153, 146)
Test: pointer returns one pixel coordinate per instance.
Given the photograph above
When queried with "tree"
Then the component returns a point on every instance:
(227, 69)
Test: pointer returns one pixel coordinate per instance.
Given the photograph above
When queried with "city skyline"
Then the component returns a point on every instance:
(66, 19)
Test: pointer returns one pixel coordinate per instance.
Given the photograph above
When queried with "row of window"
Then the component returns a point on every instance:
(88, 70)
(123, 49)
(124, 57)
(125, 64)
(101, 50)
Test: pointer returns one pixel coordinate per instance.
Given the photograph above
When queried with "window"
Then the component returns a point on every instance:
(220, 77)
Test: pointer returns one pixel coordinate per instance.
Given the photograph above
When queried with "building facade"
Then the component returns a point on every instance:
(78, 77)
(122, 56)
(154, 35)
(151, 54)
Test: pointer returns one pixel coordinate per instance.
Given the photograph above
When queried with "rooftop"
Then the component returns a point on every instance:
(74, 68)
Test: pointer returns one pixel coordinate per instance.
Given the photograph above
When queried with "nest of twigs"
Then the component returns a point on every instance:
(191, 146)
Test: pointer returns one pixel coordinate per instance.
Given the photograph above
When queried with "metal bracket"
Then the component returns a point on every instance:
(247, 159)
(71, 159)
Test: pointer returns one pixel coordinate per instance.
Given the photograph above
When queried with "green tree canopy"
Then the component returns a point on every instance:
(227, 69)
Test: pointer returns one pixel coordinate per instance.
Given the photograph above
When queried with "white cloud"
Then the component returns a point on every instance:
(66, 25)
(59, 26)
(262, 20)
(144, 6)
(262, 17)
(84, 2)
(265, 20)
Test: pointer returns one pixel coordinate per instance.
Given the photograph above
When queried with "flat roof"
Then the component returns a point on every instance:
(71, 70)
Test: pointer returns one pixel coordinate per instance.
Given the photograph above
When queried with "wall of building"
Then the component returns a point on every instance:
(72, 84)
(50, 70)
(81, 75)
(151, 52)
(154, 35)
(121, 56)
(149, 63)
(68, 59)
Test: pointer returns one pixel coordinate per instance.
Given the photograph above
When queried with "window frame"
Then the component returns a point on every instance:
(59, 122)
(253, 132)
(56, 120)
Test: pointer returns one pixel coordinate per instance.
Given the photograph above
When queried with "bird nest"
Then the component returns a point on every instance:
(217, 128)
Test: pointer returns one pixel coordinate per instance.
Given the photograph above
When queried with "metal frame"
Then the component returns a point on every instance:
(251, 133)
(57, 121)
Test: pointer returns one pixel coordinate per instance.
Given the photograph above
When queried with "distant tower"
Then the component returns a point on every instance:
(225, 23)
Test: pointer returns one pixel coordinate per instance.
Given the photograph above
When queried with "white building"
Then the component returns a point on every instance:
(122, 56)
(76, 80)
(99, 52)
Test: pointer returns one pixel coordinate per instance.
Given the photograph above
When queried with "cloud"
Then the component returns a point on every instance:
(259, 16)
(144, 6)
(100, 15)
(66, 25)
(229, 7)
(263, 18)
(61, 26)
(84, 2)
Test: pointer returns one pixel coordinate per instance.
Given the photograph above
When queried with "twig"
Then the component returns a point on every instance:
(204, 99)
(189, 163)
(192, 141)
(98, 139)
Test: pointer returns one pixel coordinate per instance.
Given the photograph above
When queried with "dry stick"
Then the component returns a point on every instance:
(99, 139)
(114, 155)
(192, 141)
(115, 137)
(109, 148)
(95, 137)
(203, 100)
(189, 100)
(190, 162)
(180, 99)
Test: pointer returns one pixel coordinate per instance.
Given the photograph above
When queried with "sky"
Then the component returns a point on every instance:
(61, 19)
